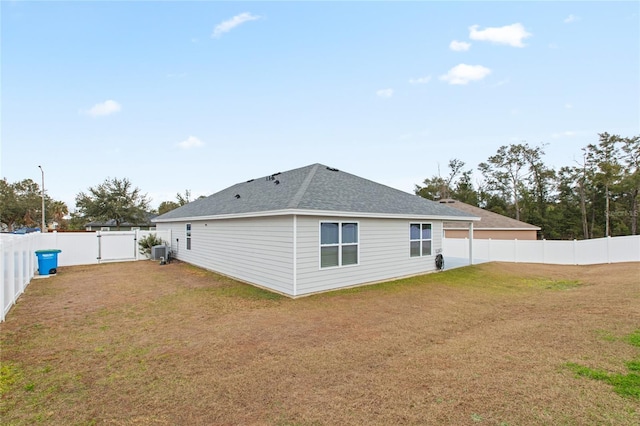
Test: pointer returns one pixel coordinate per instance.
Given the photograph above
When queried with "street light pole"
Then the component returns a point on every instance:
(44, 224)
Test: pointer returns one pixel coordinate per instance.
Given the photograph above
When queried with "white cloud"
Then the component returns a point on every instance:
(191, 142)
(228, 25)
(463, 74)
(420, 80)
(459, 46)
(105, 108)
(571, 18)
(568, 106)
(385, 93)
(567, 134)
(509, 34)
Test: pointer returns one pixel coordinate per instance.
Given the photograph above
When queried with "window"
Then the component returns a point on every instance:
(188, 236)
(420, 239)
(338, 244)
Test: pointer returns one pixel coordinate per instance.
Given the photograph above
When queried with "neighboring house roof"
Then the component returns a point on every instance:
(312, 189)
(488, 219)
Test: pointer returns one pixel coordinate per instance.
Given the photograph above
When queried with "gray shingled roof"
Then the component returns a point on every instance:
(488, 219)
(312, 188)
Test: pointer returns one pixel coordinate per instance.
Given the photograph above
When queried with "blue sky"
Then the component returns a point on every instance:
(202, 95)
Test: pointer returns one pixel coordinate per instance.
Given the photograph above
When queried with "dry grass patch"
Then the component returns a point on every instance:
(136, 343)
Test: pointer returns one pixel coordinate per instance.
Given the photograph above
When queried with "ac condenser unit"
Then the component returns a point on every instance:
(159, 251)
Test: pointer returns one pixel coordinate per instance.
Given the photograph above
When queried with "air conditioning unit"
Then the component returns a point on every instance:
(160, 251)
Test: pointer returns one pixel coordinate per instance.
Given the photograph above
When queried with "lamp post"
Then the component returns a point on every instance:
(44, 224)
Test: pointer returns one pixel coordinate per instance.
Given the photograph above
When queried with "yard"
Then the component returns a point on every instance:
(138, 343)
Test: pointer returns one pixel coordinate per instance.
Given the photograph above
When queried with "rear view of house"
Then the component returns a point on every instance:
(309, 230)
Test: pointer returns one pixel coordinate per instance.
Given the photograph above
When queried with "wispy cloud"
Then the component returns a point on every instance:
(463, 74)
(553, 46)
(191, 142)
(459, 46)
(571, 18)
(420, 80)
(107, 107)
(385, 93)
(228, 25)
(568, 106)
(566, 134)
(511, 35)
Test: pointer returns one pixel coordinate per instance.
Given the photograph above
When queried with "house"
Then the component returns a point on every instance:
(492, 225)
(309, 230)
(111, 225)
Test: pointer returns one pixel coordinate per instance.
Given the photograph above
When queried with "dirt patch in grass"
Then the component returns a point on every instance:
(138, 343)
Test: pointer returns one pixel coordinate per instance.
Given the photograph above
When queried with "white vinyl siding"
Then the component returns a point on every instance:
(383, 254)
(261, 251)
(256, 250)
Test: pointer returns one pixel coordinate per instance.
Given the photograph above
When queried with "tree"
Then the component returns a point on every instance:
(604, 158)
(57, 210)
(505, 172)
(167, 206)
(181, 200)
(541, 180)
(631, 177)
(114, 199)
(21, 203)
(464, 190)
(438, 188)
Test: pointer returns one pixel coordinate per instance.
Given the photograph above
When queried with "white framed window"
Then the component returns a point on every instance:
(188, 236)
(338, 244)
(420, 238)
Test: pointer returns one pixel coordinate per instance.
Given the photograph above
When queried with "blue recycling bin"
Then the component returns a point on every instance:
(47, 261)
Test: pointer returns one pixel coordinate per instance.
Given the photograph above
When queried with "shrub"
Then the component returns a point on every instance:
(149, 241)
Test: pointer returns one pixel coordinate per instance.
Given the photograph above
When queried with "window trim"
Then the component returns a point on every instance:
(340, 244)
(188, 230)
(421, 240)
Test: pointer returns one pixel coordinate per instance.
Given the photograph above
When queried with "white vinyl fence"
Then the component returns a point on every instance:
(583, 252)
(18, 261)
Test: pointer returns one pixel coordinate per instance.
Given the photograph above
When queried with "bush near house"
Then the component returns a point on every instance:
(149, 241)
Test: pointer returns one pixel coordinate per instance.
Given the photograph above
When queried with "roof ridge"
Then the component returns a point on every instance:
(303, 188)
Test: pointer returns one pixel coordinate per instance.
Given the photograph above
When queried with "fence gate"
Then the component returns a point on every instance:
(114, 246)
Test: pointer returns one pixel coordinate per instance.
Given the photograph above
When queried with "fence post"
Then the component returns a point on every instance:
(136, 237)
(471, 241)
(3, 283)
(609, 249)
(515, 250)
(575, 248)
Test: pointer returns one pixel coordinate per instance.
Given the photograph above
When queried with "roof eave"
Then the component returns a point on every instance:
(330, 213)
(494, 229)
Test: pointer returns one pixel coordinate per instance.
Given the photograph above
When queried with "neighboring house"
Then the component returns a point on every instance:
(309, 230)
(110, 225)
(491, 226)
